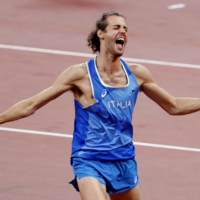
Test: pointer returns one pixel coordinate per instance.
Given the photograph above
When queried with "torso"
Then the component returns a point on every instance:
(103, 126)
(83, 91)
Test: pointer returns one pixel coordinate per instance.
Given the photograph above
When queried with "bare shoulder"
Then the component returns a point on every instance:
(73, 74)
(141, 73)
(77, 79)
(77, 71)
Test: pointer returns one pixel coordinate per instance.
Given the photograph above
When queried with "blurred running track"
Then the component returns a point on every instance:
(38, 166)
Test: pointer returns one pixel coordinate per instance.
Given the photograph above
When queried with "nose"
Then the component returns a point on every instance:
(122, 30)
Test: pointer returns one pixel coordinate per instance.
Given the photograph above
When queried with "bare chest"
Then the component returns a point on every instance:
(84, 92)
(116, 79)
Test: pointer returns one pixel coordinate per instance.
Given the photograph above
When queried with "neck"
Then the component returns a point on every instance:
(108, 63)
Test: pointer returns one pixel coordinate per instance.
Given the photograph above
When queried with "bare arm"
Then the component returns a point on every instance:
(172, 105)
(66, 81)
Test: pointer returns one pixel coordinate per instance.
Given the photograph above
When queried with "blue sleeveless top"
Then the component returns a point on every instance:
(104, 130)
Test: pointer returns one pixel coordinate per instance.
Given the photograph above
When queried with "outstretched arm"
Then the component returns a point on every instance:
(172, 105)
(27, 107)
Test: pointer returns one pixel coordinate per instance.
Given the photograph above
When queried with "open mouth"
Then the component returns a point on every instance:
(120, 43)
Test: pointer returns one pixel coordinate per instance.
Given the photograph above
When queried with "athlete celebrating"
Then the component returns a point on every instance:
(105, 91)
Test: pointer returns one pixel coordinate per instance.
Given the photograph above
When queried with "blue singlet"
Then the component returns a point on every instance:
(104, 130)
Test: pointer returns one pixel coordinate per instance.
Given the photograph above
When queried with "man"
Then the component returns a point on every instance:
(105, 91)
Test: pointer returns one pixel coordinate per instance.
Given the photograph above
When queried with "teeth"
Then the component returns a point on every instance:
(122, 39)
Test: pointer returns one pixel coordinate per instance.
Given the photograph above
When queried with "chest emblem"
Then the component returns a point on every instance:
(104, 93)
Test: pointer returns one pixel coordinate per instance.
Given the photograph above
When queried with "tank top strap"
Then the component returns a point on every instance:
(95, 82)
(126, 67)
(91, 67)
(129, 72)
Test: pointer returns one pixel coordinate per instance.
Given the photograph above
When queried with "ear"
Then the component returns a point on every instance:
(100, 34)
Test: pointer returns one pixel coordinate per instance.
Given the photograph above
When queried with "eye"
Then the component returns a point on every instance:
(116, 27)
(126, 29)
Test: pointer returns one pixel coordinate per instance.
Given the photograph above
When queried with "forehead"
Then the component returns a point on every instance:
(113, 20)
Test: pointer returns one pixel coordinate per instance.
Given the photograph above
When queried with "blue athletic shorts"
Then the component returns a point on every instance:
(117, 176)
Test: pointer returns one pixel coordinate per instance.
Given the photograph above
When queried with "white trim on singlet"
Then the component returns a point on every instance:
(91, 84)
(106, 85)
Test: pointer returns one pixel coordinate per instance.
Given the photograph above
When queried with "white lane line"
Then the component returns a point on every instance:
(87, 55)
(35, 132)
(70, 136)
(176, 6)
(167, 147)
(155, 62)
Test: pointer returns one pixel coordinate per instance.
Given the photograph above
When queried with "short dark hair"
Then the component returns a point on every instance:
(101, 24)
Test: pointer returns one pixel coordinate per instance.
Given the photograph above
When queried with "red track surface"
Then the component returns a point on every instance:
(37, 167)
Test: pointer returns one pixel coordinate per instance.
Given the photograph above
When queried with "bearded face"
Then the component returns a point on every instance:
(114, 38)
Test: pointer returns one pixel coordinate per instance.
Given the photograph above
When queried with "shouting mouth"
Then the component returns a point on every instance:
(120, 43)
